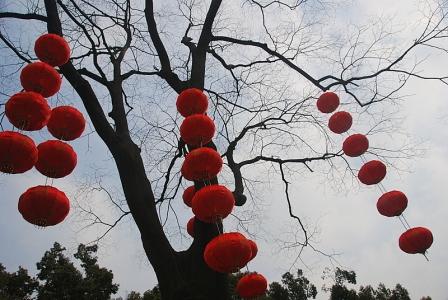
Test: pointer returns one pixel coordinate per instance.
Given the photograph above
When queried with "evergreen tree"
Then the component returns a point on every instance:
(61, 280)
(59, 277)
(97, 283)
(16, 286)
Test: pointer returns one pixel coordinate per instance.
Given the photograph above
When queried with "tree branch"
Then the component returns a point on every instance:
(166, 72)
(31, 16)
(271, 52)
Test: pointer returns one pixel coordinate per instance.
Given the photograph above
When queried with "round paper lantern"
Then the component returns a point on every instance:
(212, 203)
(254, 248)
(327, 102)
(66, 123)
(191, 101)
(355, 145)
(27, 111)
(340, 122)
(52, 49)
(41, 78)
(197, 130)
(372, 172)
(392, 204)
(188, 194)
(416, 240)
(201, 164)
(56, 159)
(190, 227)
(44, 205)
(18, 153)
(227, 253)
(251, 286)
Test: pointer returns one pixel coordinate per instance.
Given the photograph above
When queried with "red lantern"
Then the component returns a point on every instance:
(56, 159)
(201, 164)
(41, 78)
(190, 227)
(355, 145)
(328, 102)
(188, 195)
(416, 240)
(27, 111)
(254, 248)
(191, 101)
(44, 205)
(392, 204)
(212, 203)
(197, 130)
(372, 172)
(18, 153)
(66, 123)
(52, 49)
(227, 253)
(340, 122)
(251, 286)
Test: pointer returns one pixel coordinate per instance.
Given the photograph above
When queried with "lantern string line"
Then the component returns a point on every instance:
(402, 222)
(404, 219)
(383, 190)
(219, 219)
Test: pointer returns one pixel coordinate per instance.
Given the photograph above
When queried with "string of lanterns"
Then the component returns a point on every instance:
(390, 204)
(227, 252)
(28, 110)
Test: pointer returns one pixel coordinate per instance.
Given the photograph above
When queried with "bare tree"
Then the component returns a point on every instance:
(262, 78)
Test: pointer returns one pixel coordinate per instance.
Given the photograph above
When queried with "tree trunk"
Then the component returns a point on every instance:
(181, 275)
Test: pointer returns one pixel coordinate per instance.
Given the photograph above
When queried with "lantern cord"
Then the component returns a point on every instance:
(382, 188)
(404, 219)
(218, 220)
(46, 181)
(363, 158)
(424, 254)
(402, 222)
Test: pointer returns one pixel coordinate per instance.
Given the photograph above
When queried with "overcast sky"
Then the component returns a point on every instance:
(346, 219)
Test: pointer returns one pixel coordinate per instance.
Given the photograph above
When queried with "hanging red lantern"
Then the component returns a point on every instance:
(251, 286)
(44, 205)
(197, 130)
(27, 111)
(201, 164)
(41, 78)
(56, 159)
(355, 145)
(392, 204)
(227, 253)
(191, 101)
(254, 249)
(328, 102)
(66, 123)
(416, 240)
(190, 227)
(340, 122)
(18, 153)
(212, 203)
(372, 172)
(52, 49)
(188, 194)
